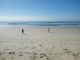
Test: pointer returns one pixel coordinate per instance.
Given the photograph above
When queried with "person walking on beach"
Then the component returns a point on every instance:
(22, 31)
(48, 29)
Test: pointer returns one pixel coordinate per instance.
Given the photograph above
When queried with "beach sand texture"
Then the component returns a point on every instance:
(38, 44)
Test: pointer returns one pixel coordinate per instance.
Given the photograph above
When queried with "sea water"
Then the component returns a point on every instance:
(42, 23)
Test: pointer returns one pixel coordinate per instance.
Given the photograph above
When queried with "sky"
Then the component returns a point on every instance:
(39, 10)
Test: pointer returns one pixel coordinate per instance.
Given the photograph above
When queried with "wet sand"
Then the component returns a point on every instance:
(38, 44)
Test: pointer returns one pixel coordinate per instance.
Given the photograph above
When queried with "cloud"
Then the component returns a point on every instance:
(38, 18)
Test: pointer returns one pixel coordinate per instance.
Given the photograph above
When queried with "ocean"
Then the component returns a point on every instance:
(42, 23)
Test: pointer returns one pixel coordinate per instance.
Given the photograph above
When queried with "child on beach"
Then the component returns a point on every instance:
(22, 31)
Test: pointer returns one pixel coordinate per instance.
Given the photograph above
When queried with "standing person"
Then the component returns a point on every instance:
(22, 31)
(48, 29)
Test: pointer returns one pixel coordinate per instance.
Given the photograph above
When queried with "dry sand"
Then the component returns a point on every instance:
(39, 44)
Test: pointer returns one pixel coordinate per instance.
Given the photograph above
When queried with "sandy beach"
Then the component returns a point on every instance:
(61, 43)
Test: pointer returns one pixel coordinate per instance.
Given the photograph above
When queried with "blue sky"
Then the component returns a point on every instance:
(39, 10)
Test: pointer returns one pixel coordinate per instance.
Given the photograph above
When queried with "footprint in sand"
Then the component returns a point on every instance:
(34, 56)
(68, 51)
(20, 53)
(12, 53)
(40, 45)
(43, 55)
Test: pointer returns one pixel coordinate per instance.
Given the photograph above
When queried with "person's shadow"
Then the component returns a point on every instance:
(24, 34)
